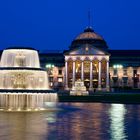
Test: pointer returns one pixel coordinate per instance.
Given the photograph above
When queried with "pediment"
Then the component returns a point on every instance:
(86, 50)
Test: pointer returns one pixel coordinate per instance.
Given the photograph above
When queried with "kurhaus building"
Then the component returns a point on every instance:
(90, 60)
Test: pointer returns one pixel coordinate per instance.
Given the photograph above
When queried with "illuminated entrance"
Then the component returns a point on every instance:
(92, 68)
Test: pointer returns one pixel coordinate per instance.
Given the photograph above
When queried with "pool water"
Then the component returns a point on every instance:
(73, 121)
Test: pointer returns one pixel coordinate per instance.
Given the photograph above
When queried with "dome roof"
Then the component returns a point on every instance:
(89, 37)
(89, 34)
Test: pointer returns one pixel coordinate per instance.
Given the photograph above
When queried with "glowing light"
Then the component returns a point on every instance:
(86, 48)
(117, 114)
(9, 109)
(36, 109)
(118, 66)
(60, 80)
(42, 108)
(49, 66)
(20, 58)
(23, 79)
(18, 109)
(50, 104)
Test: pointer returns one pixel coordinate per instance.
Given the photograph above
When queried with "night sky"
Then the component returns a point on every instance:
(53, 24)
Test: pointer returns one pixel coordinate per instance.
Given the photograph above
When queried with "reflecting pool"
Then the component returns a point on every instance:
(73, 121)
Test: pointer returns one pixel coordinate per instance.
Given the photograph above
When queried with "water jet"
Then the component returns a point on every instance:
(23, 83)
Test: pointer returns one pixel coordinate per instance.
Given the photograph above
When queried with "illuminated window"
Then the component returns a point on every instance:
(135, 73)
(124, 72)
(86, 49)
(60, 79)
(51, 83)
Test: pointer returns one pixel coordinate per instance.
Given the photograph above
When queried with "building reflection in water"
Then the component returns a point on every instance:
(117, 117)
(73, 121)
(87, 122)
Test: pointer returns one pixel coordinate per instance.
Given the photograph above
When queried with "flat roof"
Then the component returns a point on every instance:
(124, 53)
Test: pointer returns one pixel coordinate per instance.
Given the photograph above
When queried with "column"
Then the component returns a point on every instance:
(91, 75)
(138, 71)
(139, 83)
(73, 77)
(107, 75)
(66, 75)
(82, 71)
(99, 76)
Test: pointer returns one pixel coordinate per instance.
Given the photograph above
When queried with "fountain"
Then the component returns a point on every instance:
(23, 84)
(79, 88)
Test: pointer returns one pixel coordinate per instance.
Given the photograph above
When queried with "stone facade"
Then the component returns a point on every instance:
(90, 60)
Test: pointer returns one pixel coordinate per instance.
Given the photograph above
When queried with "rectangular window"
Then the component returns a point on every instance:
(60, 79)
(125, 72)
(51, 79)
(135, 73)
(60, 72)
(125, 82)
(51, 83)
(115, 72)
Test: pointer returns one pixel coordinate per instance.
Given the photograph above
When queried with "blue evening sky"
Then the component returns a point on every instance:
(53, 24)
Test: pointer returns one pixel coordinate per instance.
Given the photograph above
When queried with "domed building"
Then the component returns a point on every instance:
(88, 60)
(89, 37)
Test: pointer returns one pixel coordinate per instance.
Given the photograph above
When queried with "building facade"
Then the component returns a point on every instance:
(90, 60)
(87, 60)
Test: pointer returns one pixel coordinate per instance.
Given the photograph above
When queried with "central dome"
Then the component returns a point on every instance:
(89, 34)
(89, 37)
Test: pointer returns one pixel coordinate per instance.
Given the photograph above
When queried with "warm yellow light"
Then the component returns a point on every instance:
(42, 108)
(18, 109)
(36, 109)
(60, 80)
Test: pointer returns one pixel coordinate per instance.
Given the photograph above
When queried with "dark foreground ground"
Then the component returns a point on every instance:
(124, 98)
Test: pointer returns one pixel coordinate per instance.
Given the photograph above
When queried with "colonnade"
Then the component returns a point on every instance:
(91, 72)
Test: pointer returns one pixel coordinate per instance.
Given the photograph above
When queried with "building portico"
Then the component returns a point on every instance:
(92, 67)
(88, 61)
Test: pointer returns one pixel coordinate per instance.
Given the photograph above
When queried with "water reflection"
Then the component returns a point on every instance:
(117, 127)
(85, 123)
(22, 126)
(77, 121)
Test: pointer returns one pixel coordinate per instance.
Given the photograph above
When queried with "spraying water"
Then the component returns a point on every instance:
(23, 84)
